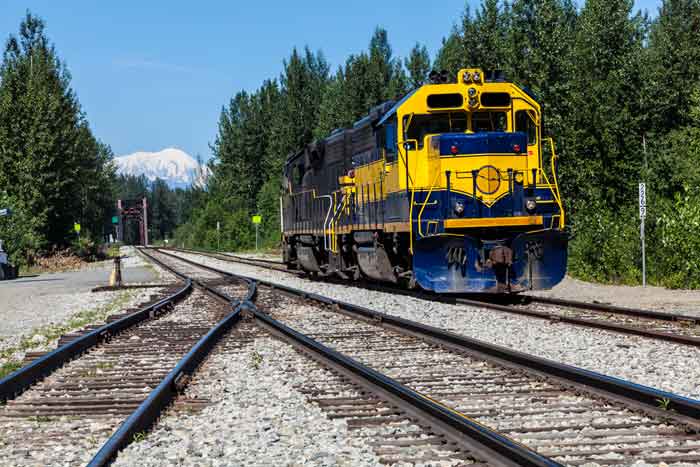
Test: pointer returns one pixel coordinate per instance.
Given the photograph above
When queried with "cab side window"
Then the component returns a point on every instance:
(389, 141)
(524, 123)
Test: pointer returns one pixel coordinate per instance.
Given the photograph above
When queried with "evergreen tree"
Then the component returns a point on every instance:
(604, 138)
(484, 37)
(540, 45)
(367, 79)
(50, 163)
(418, 66)
(674, 64)
(161, 207)
(334, 111)
(451, 56)
(302, 84)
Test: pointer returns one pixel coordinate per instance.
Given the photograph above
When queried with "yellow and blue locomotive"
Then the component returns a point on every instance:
(446, 189)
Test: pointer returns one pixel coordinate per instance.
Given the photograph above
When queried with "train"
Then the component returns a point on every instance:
(452, 189)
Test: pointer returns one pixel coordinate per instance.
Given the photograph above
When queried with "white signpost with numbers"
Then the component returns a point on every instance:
(642, 216)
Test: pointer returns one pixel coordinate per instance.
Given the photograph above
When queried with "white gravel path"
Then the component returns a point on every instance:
(37, 312)
(256, 418)
(58, 310)
(666, 366)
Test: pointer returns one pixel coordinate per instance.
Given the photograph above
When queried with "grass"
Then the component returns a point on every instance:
(140, 436)
(255, 359)
(113, 251)
(9, 367)
(104, 365)
(664, 403)
(54, 331)
(40, 419)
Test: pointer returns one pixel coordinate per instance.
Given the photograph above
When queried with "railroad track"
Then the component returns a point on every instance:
(103, 387)
(670, 327)
(561, 414)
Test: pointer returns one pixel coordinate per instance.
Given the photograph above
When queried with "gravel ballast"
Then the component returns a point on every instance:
(34, 317)
(666, 366)
(256, 417)
(653, 298)
(41, 427)
(656, 298)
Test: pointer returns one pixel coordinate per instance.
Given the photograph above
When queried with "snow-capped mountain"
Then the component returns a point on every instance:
(172, 165)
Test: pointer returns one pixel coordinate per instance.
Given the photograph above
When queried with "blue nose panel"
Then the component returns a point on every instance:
(492, 142)
(456, 265)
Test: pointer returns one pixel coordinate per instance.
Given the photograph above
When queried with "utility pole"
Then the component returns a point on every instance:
(145, 222)
(643, 211)
(218, 236)
(642, 216)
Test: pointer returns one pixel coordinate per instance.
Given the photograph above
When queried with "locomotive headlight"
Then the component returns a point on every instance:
(530, 205)
(466, 77)
(477, 77)
(459, 208)
(472, 92)
(472, 102)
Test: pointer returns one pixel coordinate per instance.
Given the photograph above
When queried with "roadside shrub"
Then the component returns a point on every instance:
(269, 208)
(605, 247)
(87, 249)
(678, 256)
(20, 231)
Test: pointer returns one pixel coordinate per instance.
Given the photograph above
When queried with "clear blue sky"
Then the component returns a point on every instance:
(152, 74)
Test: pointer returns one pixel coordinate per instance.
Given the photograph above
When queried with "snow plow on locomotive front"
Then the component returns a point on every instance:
(446, 189)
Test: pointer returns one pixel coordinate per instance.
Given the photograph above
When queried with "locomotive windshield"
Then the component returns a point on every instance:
(444, 122)
(453, 122)
(488, 121)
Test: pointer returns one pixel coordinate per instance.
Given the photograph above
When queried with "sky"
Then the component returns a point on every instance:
(155, 74)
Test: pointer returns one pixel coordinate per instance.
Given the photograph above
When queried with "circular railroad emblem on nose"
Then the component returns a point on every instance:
(488, 179)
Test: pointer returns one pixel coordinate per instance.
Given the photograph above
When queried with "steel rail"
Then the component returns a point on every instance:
(483, 303)
(151, 408)
(480, 440)
(681, 409)
(619, 310)
(589, 323)
(17, 382)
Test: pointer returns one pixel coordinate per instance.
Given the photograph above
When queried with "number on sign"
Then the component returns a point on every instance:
(642, 200)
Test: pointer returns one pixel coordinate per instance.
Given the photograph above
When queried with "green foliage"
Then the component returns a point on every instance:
(673, 63)
(605, 246)
(269, 209)
(87, 249)
(418, 66)
(367, 79)
(167, 207)
(236, 232)
(604, 127)
(51, 165)
(679, 242)
(19, 232)
(451, 56)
